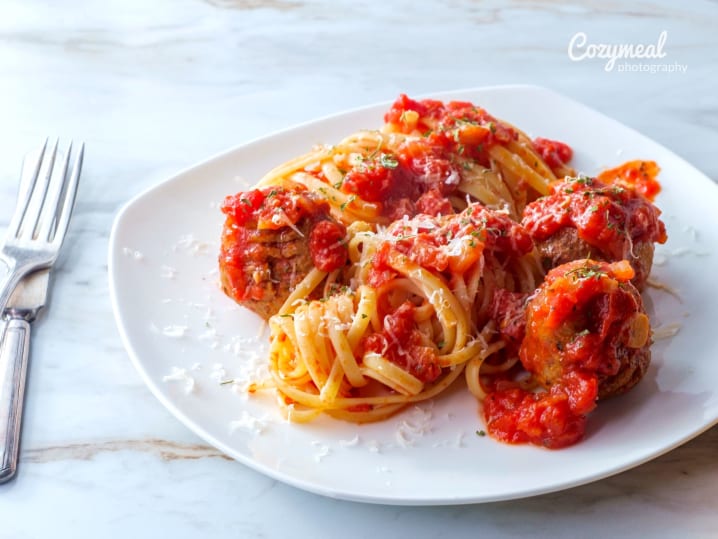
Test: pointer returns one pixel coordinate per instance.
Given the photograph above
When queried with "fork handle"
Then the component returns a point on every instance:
(13, 368)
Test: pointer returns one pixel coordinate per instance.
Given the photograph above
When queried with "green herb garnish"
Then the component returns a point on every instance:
(344, 205)
(388, 161)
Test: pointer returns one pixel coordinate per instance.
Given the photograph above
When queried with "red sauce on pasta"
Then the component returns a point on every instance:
(417, 179)
(423, 173)
(458, 127)
(400, 342)
(451, 244)
(554, 153)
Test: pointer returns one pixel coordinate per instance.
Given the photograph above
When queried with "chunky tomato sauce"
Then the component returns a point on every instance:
(638, 175)
(419, 177)
(451, 244)
(326, 245)
(582, 324)
(422, 173)
(400, 342)
(609, 217)
(458, 127)
(552, 419)
(556, 154)
(269, 208)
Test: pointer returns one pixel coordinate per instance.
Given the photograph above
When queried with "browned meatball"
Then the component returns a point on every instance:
(584, 217)
(566, 245)
(272, 238)
(587, 319)
(262, 271)
(633, 367)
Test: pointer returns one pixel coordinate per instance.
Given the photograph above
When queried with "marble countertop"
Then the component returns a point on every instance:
(153, 87)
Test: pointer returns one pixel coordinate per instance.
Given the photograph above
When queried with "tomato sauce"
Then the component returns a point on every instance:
(609, 217)
(400, 342)
(420, 176)
(269, 208)
(578, 331)
(416, 179)
(232, 259)
(638, 175)
(422, 173)
(547, 419)
(452, 244)
(326, 245)
(459, 128)
(556, 154)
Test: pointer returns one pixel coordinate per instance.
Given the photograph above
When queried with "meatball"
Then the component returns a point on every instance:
(566, 245)
(272, 238)
(587, 318)
(584, 217)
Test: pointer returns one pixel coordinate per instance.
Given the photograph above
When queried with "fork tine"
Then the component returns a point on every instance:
(33, 211)
(27, 185)
(68, 201)
(50, 209)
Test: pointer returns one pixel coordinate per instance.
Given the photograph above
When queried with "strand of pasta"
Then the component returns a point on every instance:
(487, 186)
(448, 310)
(278, 175)
(474, 366)
(515, 170)
(345, 208)
(343, 403)
(303, 290)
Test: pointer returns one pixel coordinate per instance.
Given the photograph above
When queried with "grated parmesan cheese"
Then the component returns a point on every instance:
(180, 375)
(653, 283)
(249, 423)
(667, 331)
(681, 251)
(192, 246)
(175, 331)
(323, 451)
(373, 446)
(414, 427)
(137, 255)
(350, 443)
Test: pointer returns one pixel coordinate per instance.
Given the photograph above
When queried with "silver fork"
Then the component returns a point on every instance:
(36, 232)
(38, 226)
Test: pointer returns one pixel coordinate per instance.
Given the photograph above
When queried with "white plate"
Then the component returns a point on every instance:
(171, 313)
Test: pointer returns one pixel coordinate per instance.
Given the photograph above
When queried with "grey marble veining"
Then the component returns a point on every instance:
(153, 87)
